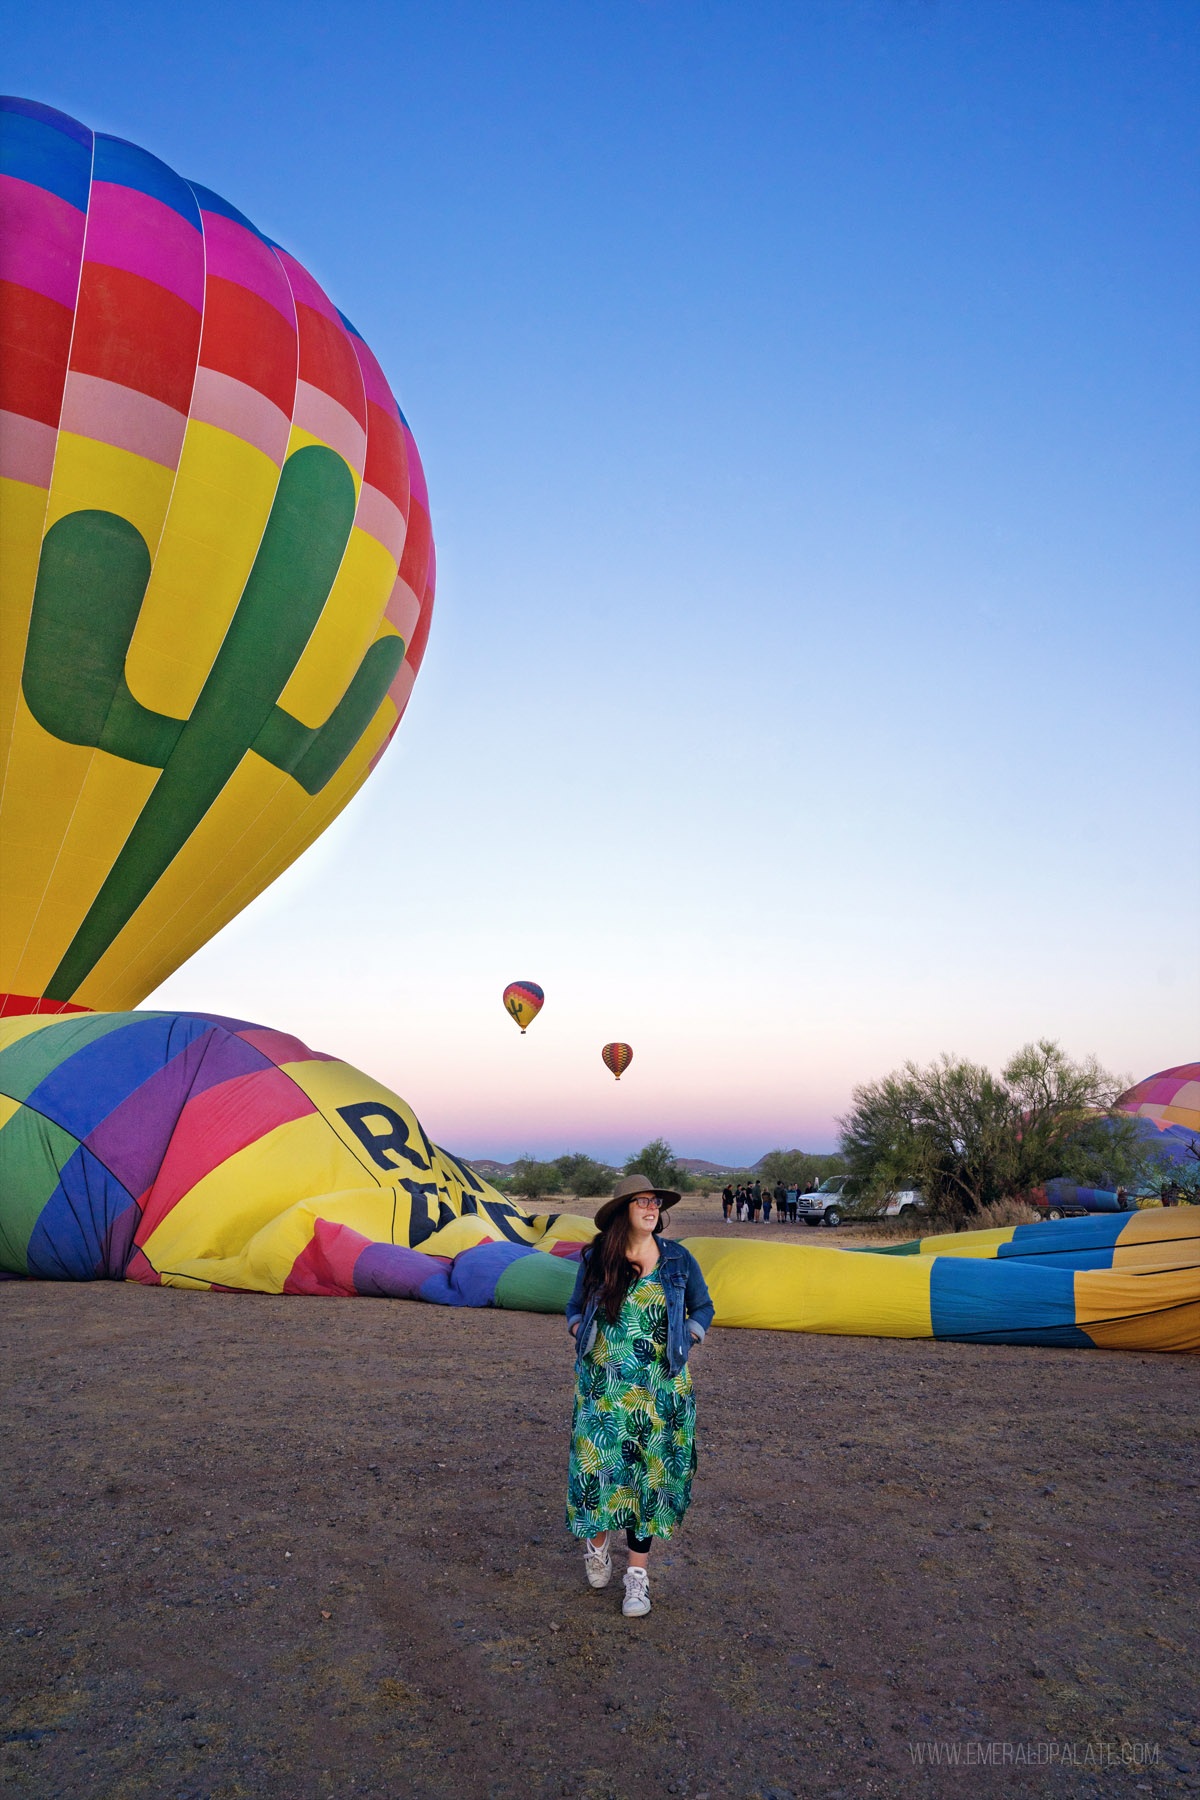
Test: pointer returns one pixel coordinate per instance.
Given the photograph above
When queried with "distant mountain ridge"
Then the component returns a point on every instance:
(488, 1166)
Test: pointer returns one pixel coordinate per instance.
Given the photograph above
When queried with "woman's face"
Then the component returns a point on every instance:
(643, 1210)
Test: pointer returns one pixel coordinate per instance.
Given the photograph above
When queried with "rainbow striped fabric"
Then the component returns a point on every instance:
(1170, 1098)
(216, 562)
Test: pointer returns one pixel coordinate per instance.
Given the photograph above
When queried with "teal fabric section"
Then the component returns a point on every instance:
(32, 1154)
(27, 1062)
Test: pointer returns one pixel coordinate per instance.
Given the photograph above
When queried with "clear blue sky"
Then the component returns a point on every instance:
(808, 395)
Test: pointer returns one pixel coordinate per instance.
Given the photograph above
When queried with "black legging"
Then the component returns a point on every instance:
(641, 1545)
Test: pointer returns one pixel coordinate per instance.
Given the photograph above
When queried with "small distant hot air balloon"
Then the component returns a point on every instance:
(617, 1058)
(523, 1002)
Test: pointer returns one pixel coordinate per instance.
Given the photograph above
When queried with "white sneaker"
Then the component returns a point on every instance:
(636, 1603)
(597, 1564)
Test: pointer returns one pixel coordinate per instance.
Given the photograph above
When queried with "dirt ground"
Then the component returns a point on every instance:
(307, 1548)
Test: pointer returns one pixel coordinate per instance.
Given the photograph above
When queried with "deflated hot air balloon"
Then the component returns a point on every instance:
(184, 1150)
(217, 570)
(616, 1058)
(523, 1002)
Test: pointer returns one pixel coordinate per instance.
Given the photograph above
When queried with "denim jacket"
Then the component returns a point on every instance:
(689, 1309)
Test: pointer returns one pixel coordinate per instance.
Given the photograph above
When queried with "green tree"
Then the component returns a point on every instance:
(1164, 1174)
(584, 1176)
(799, 1167)
(657, 1161)
(969, 1138)
(534, 1180)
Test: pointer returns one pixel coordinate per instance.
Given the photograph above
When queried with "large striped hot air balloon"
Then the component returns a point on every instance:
(616, 1058)
(217, 568)
(523, 1002)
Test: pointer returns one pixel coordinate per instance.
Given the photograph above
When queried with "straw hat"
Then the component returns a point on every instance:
(625, 1191)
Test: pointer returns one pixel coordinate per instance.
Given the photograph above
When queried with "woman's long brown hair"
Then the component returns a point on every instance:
(608, 1264)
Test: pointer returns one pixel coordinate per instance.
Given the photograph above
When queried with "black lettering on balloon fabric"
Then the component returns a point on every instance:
(420, 1223)
(377, 1143)
(505, 1218)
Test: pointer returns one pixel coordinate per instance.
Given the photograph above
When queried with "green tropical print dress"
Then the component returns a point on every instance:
(633, 1436)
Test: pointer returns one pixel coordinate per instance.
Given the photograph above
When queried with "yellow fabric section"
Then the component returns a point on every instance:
(1139, 1312)
(348, 625)
(8, 1107)
(67, 811)
(219, 509)
(1164, 1253)
(1152, 1224)
(44, 779)
(568, 1228)
(250, 1192)
(22, 514)
(13, 1030)
(264, 1262)
(90, 474)
(787, 1287)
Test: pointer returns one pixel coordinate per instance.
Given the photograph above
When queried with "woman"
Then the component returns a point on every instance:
(639, 1305)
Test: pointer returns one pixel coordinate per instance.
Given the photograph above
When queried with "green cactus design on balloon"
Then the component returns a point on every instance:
(91, 582)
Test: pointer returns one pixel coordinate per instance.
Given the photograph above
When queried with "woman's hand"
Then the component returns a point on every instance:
(574, 1328)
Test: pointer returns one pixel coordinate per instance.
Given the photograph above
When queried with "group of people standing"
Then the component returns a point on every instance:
(751, 1200)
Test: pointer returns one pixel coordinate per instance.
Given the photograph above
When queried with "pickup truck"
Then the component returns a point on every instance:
(830, 1204)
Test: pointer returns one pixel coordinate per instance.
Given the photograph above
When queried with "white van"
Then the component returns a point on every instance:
(830, 1204)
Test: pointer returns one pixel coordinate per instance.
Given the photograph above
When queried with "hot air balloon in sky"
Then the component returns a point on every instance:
(617, 1058)
(217, 571)
(523, 1002)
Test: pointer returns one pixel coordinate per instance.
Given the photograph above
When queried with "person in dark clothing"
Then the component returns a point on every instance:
(793, 1202)
(726, 1202)
(780, 1193)
(767, 1207)
(755, 1202)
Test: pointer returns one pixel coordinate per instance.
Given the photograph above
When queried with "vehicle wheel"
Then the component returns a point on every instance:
(809, 1221)
(1054, 1212)
(832, 1217)
(906, 1212)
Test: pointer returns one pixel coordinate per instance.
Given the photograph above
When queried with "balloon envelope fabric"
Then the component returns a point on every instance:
(1172, 1097)
(191, 1151)
(194, 1151)
(216, 563)
(523, 1001)
(1073, 1290)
